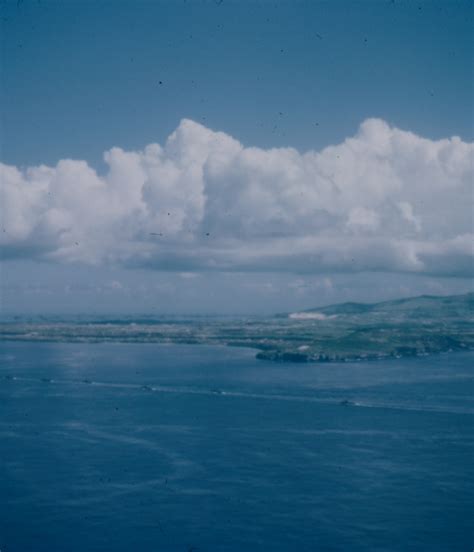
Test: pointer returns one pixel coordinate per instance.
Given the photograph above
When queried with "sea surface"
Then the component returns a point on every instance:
(146, 448)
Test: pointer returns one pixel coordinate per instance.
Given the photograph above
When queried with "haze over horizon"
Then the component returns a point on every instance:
(259, 157)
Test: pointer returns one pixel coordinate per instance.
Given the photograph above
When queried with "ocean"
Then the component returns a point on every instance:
(146, 447)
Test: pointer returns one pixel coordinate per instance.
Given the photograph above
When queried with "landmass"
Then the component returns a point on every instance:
(343, 332)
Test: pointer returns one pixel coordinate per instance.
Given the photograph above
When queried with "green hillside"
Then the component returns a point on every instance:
(345, 332)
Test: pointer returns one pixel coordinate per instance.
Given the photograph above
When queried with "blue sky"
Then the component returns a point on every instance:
(79, 78)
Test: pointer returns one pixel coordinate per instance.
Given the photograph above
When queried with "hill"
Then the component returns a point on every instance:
(344, 332)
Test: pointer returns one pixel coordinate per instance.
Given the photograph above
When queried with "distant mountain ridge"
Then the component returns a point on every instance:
(418, 303)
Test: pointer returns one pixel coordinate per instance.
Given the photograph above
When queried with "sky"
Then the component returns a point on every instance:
(233, 156)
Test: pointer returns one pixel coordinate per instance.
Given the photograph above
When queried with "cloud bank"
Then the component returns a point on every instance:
(383, 200)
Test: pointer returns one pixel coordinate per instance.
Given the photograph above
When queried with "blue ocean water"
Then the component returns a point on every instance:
(133, 447)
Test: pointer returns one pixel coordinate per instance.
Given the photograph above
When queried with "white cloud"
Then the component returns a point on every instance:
(406, 209)
(189, 275)
(361, 219)
(310, 316)
(384, 199)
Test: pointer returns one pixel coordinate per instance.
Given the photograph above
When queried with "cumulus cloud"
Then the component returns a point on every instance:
(384, 199)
